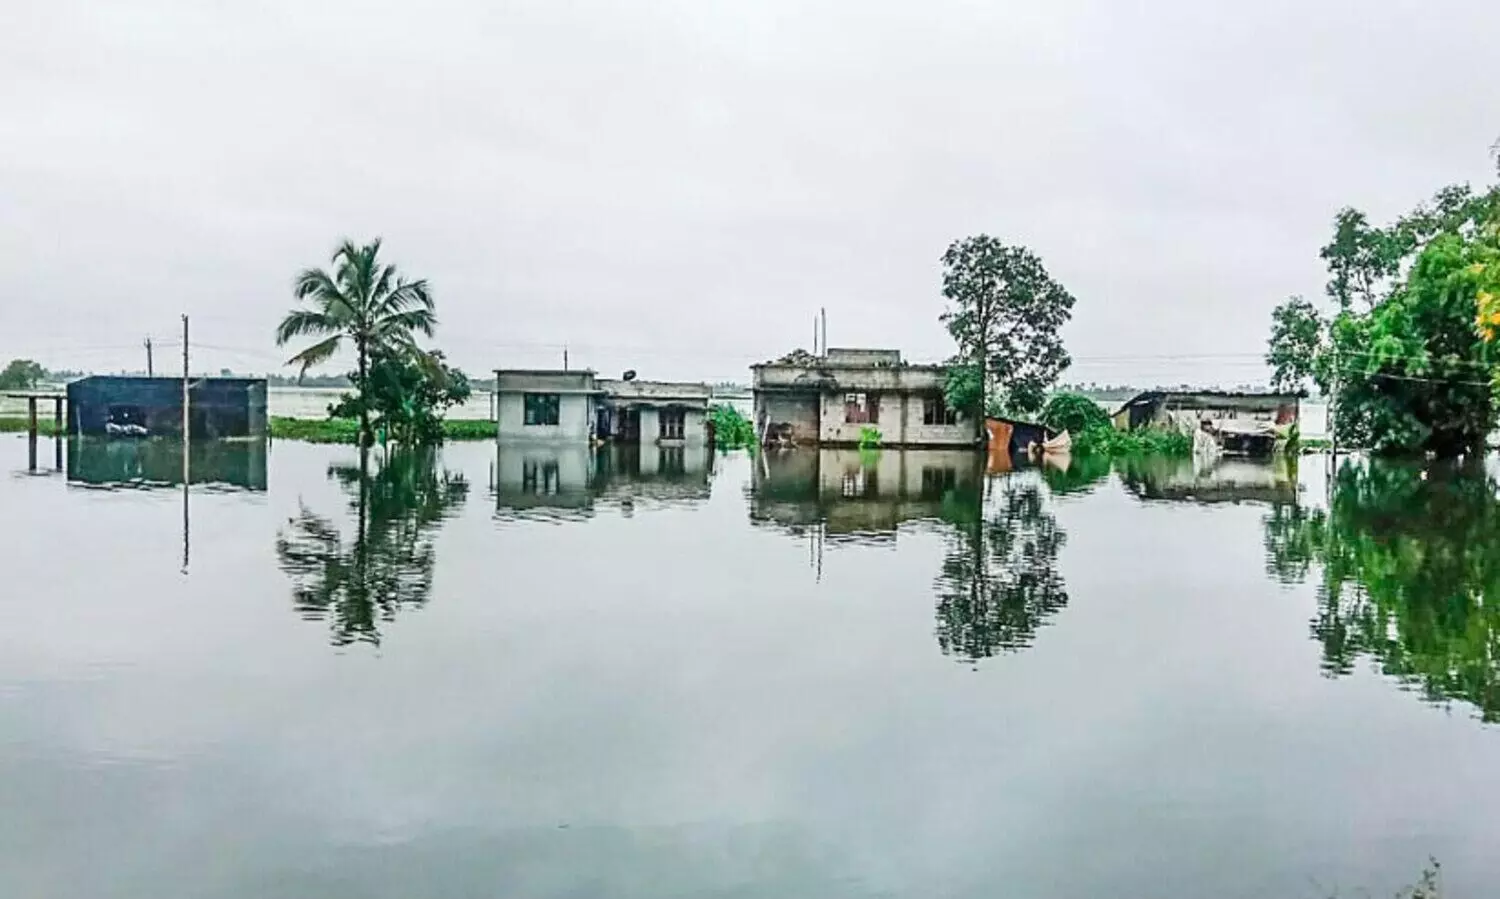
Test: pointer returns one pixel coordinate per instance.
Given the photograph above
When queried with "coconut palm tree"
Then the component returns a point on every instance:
(363, 301)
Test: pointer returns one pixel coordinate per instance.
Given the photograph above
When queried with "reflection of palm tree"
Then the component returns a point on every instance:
(1410, 577)
(389, 564)
(999, 582)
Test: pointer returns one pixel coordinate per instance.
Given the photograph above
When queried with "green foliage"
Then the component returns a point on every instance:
(869, 437)
(363, 302)
(1405, 344)
(21, 374)
(731, 429)
(1107, 441)
(346, 430)
(1410, 575)
(1292, 351)
(1074, 413)
(405, 393)
(20, 425)
(1005, 313)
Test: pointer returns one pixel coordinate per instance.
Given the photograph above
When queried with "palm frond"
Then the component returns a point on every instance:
(407, 295)
(315, 284)
(316, 354)
(300, 322)
(383, 284)
(421, 321)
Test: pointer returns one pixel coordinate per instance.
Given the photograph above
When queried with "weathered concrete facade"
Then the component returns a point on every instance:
(1166, 408)
(661, 413)
(217, 407)
(544, 405)
(576, 407)
(830, 399)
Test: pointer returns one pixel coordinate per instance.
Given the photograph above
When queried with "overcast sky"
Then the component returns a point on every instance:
(676, 187)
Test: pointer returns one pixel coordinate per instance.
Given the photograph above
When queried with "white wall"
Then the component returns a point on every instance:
(575, 419)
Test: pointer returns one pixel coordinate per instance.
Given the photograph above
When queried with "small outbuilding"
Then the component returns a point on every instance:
(112, 406)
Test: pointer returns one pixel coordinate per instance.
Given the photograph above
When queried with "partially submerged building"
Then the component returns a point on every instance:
(1240, 423)
(106, 405)
(578, 406)
(830, 399)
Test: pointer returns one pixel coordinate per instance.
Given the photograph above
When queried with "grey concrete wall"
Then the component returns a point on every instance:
(907, 377)
(799, 411)
(544, 381)
(900, 423)
(575, 415)
(852, 356)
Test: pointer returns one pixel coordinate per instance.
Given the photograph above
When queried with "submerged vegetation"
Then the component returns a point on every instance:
(731, 429)
(1093, 434)
(346, 430)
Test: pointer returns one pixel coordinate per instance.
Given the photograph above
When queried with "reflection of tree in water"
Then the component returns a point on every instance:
(1411, 577)
(358, 584)
(999, 582)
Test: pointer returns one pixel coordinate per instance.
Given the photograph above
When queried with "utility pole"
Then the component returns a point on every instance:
(150, 368)
(823, 312)
(565, 357)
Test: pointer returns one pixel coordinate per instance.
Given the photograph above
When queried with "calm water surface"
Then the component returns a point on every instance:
(553, 674)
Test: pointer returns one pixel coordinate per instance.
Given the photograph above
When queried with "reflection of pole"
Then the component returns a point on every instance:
(187, 456)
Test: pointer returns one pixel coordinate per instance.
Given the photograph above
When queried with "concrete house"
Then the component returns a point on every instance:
(545, 405)
(828, 400)
(577, 406)
(106, 405)
(664, 413)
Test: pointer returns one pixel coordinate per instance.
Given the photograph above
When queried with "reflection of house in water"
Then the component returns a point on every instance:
(99, 461)
(867, 495)
(568, 481)
(1223, 481)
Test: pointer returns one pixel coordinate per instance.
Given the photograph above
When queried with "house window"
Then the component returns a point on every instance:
(541, 408)
(860, 409)
(935, 411)
(671, 423)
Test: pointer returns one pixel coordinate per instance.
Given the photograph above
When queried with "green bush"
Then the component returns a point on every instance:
(731, 429)
(1074, 413)
(1144, 442)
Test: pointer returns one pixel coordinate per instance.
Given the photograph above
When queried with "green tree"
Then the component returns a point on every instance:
(1359, 258)
(405, 394)
(363, 301)
(1411, 361)
(21, 374)
(1005, 313)
(1296, 339)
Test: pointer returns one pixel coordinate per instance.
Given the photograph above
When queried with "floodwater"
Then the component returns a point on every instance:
(539, 673)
